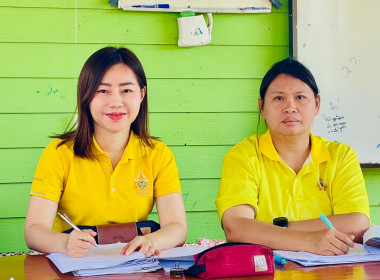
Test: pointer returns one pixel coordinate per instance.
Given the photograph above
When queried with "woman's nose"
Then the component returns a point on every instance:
(290, 107)
(115, 99)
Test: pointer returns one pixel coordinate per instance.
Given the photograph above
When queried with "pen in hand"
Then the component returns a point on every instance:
(67, 220)
(329, 225)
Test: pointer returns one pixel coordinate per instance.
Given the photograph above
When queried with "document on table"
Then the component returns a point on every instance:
(180, 257)
(106, 259)
(357, 254)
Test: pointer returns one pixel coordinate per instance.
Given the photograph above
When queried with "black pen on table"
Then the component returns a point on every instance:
(67, 220)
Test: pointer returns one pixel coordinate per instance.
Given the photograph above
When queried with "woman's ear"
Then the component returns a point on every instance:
(317, 104)
(143, 92)
(261, 106)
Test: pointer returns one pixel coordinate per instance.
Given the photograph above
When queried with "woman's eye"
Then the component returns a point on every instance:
(278, 98)
(300, 97)
(102, 91)
(126, 90)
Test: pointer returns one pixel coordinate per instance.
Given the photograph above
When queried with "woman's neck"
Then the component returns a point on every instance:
(113, 144)
(293, 150)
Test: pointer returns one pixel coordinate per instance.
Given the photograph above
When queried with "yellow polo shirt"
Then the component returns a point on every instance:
(254, 174)
(91, 192)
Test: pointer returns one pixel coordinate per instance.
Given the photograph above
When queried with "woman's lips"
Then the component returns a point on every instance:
(116, 116)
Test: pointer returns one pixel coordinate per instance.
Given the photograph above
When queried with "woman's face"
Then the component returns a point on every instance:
(116, 102)
(289, 106)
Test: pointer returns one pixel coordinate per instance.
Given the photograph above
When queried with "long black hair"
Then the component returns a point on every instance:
(89, 79)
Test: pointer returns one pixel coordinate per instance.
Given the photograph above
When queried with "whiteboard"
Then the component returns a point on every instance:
(339, 41)
(198, 6)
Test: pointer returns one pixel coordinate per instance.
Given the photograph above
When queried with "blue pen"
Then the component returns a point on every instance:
(279, 260)
(329, 225)
(254, 8)
(161, 6)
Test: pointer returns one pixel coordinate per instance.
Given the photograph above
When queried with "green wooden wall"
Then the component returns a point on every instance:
(202, 101)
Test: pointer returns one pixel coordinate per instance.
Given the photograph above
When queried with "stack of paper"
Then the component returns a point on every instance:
(180, 257)
(357, 254)
(106, 259)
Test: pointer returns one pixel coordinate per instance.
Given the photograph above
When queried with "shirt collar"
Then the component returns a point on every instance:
(319, 152)
(135, 148)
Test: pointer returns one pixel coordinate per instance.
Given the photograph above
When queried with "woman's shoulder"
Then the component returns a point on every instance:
(335, 149)
(332, 145)
(156, 146)
(247, 146)
(58, 146)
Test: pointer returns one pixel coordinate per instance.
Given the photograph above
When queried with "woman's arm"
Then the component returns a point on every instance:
(173, 232)
(40, 236)
(239, 225)
(351, 224)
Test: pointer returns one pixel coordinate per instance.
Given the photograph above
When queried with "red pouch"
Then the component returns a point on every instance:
(232, 260)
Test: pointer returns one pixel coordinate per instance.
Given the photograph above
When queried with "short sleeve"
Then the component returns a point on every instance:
(349, 192)
(48, 179)
(167, 179)
(239, 182)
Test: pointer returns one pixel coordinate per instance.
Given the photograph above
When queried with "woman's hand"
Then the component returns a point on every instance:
(329, 242)
(144, 243)
(79, 243)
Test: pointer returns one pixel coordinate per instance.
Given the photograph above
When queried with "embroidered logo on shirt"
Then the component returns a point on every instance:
(142, 184)
(321, 184)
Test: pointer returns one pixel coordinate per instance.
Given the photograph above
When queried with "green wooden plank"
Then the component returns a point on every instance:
(32, 130)
(41, 3)
(160, 61)
(203, 95)
(203, 128)
(200, 195)
(12, 235)
(20, 165)
(375, 215)
(372, 180)
(161, 28)
(23, 95)
(14, 200)
(196, 162)
(251, 29)
(37, 25)
(37, 95)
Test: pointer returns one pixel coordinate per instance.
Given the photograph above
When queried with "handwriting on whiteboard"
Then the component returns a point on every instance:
(334, 124)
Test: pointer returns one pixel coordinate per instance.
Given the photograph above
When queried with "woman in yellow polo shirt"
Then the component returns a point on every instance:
(107, 172)
(275, 185)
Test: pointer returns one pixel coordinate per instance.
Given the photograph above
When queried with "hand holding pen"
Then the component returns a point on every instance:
(329, 225)
(68, 221)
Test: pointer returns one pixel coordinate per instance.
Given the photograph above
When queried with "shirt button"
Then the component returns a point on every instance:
(108, 168)
(296, 180)
(113, 190)
(112, 179)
